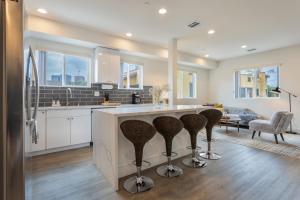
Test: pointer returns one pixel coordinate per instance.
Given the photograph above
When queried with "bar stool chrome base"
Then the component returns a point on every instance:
(169, 171)
(194, 162)
(210, 155)
(137, 185)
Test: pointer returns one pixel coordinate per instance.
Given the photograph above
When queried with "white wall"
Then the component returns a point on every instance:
(59, 47)
(221, 82)
(202, 87)
(155, 71)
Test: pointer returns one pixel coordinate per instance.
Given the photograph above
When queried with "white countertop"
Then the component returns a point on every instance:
(148, 109)
(89, 107)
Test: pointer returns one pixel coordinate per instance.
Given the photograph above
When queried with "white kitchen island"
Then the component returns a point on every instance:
(114, 154)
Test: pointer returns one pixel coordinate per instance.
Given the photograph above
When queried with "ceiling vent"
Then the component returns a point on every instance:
(194, 24)
(251, 49)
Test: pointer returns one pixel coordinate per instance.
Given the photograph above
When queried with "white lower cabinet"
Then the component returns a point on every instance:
(61, 128)
(41, 131)
(58, 132)
(81, 129)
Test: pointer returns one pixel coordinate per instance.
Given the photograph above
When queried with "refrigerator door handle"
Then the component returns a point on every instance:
(37, 95)
(32, 120)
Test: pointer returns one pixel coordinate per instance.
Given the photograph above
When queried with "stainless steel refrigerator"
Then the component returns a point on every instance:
(16, 114)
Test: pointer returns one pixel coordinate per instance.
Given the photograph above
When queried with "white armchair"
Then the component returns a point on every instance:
(277, 125)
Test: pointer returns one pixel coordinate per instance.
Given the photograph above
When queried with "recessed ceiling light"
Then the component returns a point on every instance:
(207, 55)
(42, 10)
(244, 46)
(100, 54)
(210, 32)
(128, 34)
(162, 11)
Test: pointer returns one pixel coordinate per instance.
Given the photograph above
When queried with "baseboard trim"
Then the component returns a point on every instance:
(76, 146)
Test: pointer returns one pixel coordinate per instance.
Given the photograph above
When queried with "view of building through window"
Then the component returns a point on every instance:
(186, 84)
(57, 69)
(256, 82)
(131, 76)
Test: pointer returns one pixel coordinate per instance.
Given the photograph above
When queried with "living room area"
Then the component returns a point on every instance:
(259, 87)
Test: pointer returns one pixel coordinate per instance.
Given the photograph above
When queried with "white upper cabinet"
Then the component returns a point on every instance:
(107, 66)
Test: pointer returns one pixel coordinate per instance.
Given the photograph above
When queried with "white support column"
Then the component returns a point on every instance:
(172, 71)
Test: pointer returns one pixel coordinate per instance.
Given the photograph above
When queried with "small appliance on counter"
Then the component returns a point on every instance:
(106, 97)
(136, 98)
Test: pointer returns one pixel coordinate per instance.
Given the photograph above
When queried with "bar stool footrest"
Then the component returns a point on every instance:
(147, 163)
(210, 155)
(197, 147)
(173, 154)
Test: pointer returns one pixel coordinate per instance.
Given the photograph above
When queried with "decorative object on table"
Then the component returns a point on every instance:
(159, 94)
(278, 124)
(279, 90)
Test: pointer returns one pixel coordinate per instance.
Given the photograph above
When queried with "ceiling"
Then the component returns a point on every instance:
(260, 24)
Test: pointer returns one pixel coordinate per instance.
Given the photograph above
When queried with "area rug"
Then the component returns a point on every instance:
(290, 147)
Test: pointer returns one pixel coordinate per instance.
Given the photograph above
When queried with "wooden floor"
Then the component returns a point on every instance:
(243, 173)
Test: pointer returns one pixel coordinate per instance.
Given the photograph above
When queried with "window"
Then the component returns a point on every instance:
(256, 82)
(186, 84)
(131, 76)
(56, 69)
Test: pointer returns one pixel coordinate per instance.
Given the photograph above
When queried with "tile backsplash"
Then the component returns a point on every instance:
(85, 96)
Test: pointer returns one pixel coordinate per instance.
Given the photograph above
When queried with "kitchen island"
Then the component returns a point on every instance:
(114, 155)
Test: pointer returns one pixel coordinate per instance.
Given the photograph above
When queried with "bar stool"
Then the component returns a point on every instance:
(139, 133)
(168, 127)
(193, 123)
(213, 116)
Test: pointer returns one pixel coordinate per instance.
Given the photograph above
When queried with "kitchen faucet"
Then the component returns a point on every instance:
(71, 96)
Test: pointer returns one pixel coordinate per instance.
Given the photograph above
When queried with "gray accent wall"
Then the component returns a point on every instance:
(85, 96)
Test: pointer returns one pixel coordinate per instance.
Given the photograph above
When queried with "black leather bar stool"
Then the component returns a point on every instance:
(168, 127)
(213, 116)
(139, 133)
(193, 123)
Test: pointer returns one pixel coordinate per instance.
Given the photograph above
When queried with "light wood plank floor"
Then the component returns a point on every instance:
(243, 173)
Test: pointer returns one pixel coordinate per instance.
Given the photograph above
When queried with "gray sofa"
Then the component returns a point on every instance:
(245, 114)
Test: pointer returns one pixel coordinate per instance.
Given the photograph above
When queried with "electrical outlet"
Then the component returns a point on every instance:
(96, 93)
